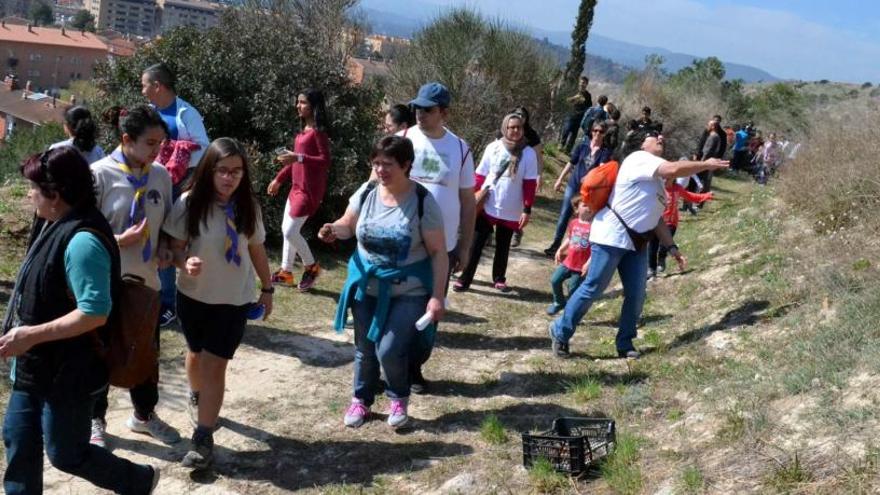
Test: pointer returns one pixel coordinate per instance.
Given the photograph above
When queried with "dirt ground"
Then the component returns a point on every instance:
(290, 382)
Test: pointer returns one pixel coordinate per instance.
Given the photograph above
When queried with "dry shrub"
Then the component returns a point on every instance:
(835, 179)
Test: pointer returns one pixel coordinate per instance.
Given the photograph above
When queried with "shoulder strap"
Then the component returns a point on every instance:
(370, 186)
(464, 154)
(421, 192)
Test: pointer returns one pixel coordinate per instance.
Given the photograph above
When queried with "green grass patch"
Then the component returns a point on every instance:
(692, 480)
(492, 430)
(584, 389)
(788, 476)
(544, 478)
(621, 469)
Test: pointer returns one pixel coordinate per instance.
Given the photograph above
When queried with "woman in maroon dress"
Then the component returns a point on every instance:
(307, 167)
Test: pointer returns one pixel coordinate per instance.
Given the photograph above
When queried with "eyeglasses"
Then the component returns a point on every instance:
(234, 173)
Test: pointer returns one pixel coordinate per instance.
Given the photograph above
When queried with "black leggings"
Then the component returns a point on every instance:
(656, 252)
(482, 232)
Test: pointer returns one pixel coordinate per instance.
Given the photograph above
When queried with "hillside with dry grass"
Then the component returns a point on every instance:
(759, 374)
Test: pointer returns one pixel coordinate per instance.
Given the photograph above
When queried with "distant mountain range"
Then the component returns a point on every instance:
(607, 58)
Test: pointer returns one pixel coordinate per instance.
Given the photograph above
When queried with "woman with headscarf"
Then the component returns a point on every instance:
(507, 178)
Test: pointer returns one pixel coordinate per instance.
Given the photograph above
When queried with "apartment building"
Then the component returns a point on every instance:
(49, 57)
(136, 17)
(176, 13)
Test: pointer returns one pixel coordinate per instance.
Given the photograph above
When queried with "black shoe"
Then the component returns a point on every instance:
(167, 317)
(517, 239)
(631, 354)
(560, 349)
(418, 384)
(201, 454)
(551, 251)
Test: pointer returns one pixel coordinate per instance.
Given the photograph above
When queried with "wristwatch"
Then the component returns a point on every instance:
(268, 290)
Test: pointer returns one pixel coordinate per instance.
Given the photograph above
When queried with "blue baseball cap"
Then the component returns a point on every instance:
(431, 95)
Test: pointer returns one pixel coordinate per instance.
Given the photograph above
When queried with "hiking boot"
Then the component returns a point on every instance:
(631, 354)
(460, 286)
(397, 413)
(551, 251)
(554, 308)
(167, 317)
(417, 382)
(192, 408)
(201, 453)
(283, 278)
(356, 414)
(99, 433)
(517, 239)
(501, 286)
(310, 275)
(560, 349)
(154, 427)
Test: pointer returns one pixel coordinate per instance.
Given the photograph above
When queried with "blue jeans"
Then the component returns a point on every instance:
(65, 427)
(392, 352)
(564, 213)
(604, 261)
(559, 277)
(570, 131)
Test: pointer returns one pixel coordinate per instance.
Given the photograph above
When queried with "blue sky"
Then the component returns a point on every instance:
(798, 39)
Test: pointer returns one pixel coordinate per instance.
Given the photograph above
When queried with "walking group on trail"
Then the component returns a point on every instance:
(176, 212)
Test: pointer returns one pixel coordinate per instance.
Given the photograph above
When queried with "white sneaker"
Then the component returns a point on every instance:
(154, 427)
(99, 433)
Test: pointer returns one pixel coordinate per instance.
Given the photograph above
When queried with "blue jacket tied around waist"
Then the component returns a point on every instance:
(360, 271)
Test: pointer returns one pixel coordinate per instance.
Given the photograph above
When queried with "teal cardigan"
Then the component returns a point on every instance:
(360, 271)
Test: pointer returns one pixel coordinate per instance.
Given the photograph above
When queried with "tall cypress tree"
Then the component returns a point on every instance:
(579, 40)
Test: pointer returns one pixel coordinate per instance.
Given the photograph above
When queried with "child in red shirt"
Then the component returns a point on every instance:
(657, 253)
(573, 256)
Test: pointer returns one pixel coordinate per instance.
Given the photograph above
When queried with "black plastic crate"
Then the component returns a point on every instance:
(572, 445)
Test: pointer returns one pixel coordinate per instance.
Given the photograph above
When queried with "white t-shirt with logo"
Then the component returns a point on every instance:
(505, 202)
(115, 194)
(638, 197)
(443, 166)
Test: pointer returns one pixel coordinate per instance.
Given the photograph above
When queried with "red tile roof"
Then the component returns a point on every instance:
(50, 36)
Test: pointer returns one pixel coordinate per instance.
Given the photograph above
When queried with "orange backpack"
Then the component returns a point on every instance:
(596, 186)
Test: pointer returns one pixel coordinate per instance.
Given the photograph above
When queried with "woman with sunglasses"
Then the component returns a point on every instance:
(585, 157)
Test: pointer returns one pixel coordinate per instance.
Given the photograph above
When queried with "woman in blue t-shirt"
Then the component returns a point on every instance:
(397, 275)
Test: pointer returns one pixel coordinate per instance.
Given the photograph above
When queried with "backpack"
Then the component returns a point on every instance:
(127, 342)
(597, 185)
(421, 192)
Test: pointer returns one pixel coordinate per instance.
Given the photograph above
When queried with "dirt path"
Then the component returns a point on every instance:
(290, 382)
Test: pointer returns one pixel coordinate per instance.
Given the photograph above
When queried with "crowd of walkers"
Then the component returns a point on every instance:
(177, 211)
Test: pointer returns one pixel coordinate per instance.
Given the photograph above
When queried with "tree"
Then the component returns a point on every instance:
(488, 67)
(41, 14)
(575, 65)
(244, 75)
(83, 20)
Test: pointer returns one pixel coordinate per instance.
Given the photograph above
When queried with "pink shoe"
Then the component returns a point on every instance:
(397, 413)
(502, 287)
(356, 414)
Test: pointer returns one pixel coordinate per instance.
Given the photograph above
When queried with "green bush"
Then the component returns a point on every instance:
(488, 67)
(244, 75)
(25, 142)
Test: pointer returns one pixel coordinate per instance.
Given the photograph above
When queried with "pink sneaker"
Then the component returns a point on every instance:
(397, 413)
(502, 286)
(356, 414)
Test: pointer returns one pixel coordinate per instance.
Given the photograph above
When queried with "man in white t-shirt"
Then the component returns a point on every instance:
(444, 164)
(636, 207)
